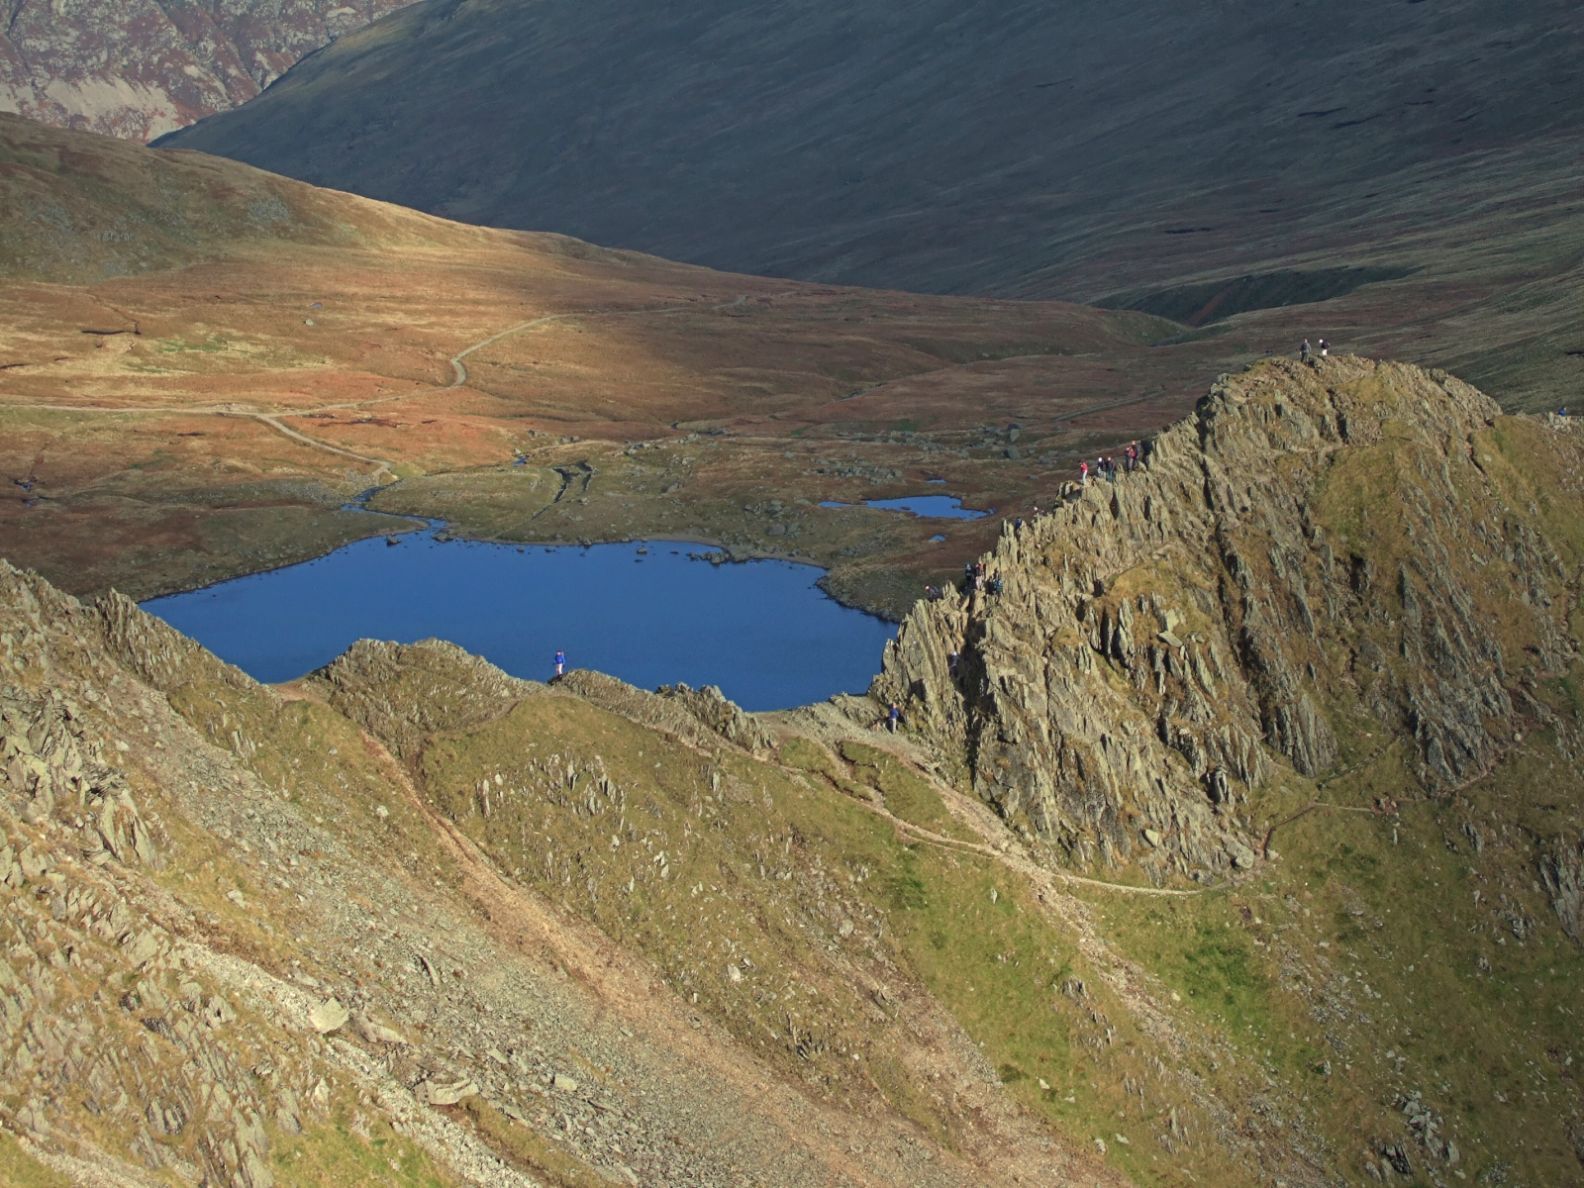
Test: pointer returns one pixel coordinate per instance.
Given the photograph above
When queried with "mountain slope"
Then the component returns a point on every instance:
(845, 142)
(140, 68)
(1197, 162)
(411, 920)
(243, 944)
(80, 208)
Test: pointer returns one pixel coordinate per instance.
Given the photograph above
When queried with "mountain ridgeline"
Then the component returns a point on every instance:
(1322, 565)
(1302, 700)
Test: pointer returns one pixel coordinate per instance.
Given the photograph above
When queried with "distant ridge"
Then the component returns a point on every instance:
(137, 68)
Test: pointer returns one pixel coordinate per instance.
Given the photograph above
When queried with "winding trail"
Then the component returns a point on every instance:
(1000, 849)
(459, 378)
(380, 466)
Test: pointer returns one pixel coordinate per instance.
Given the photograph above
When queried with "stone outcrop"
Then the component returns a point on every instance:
(702, 718)
(1562, 875)
(403, 691)
(1307, 570)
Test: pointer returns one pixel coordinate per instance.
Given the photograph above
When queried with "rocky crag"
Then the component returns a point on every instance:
(1320, 562)
(140, 68)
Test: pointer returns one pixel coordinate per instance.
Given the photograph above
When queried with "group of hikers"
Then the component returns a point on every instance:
(1134, 455)
(1306, 352)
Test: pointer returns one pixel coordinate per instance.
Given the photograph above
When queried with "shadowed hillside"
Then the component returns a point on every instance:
(844, 141)
(413, 921)
(1194, 161)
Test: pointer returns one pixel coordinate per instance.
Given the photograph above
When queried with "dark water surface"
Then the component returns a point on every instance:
(761, 630)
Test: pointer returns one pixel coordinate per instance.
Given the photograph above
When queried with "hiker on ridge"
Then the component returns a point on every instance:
(1303, 351)
(560, 663)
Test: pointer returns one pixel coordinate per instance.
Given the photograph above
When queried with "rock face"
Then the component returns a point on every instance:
(1318, 564)
(1562, 875)
(140, 68)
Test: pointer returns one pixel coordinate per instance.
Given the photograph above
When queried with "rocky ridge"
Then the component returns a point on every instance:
(1309, 562)
(236, 947)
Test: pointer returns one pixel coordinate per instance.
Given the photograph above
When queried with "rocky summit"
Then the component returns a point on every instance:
(1321, 562)
(1236, 839)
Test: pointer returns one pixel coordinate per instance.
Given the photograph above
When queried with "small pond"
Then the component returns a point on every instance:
(933, 507)
(645, 612)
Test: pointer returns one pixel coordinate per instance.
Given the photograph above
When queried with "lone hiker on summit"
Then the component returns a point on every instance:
(560, 663)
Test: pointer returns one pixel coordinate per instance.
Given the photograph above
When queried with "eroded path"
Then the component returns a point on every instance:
(272, 418)
(996, 842)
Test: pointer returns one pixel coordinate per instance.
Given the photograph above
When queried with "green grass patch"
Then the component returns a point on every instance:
(906, 794)
(546, 1160)
(209, 345)
(20, 1170)
(341, 1153)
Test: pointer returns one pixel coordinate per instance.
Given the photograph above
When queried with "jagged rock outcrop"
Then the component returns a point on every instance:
(403, 691)
(1562, 876)
(51, 768)
(701, 717)
(1319, 562)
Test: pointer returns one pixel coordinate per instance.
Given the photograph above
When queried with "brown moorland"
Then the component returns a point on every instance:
(201, 363)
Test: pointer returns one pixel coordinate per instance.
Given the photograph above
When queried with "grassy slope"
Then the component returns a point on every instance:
(846, 938)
